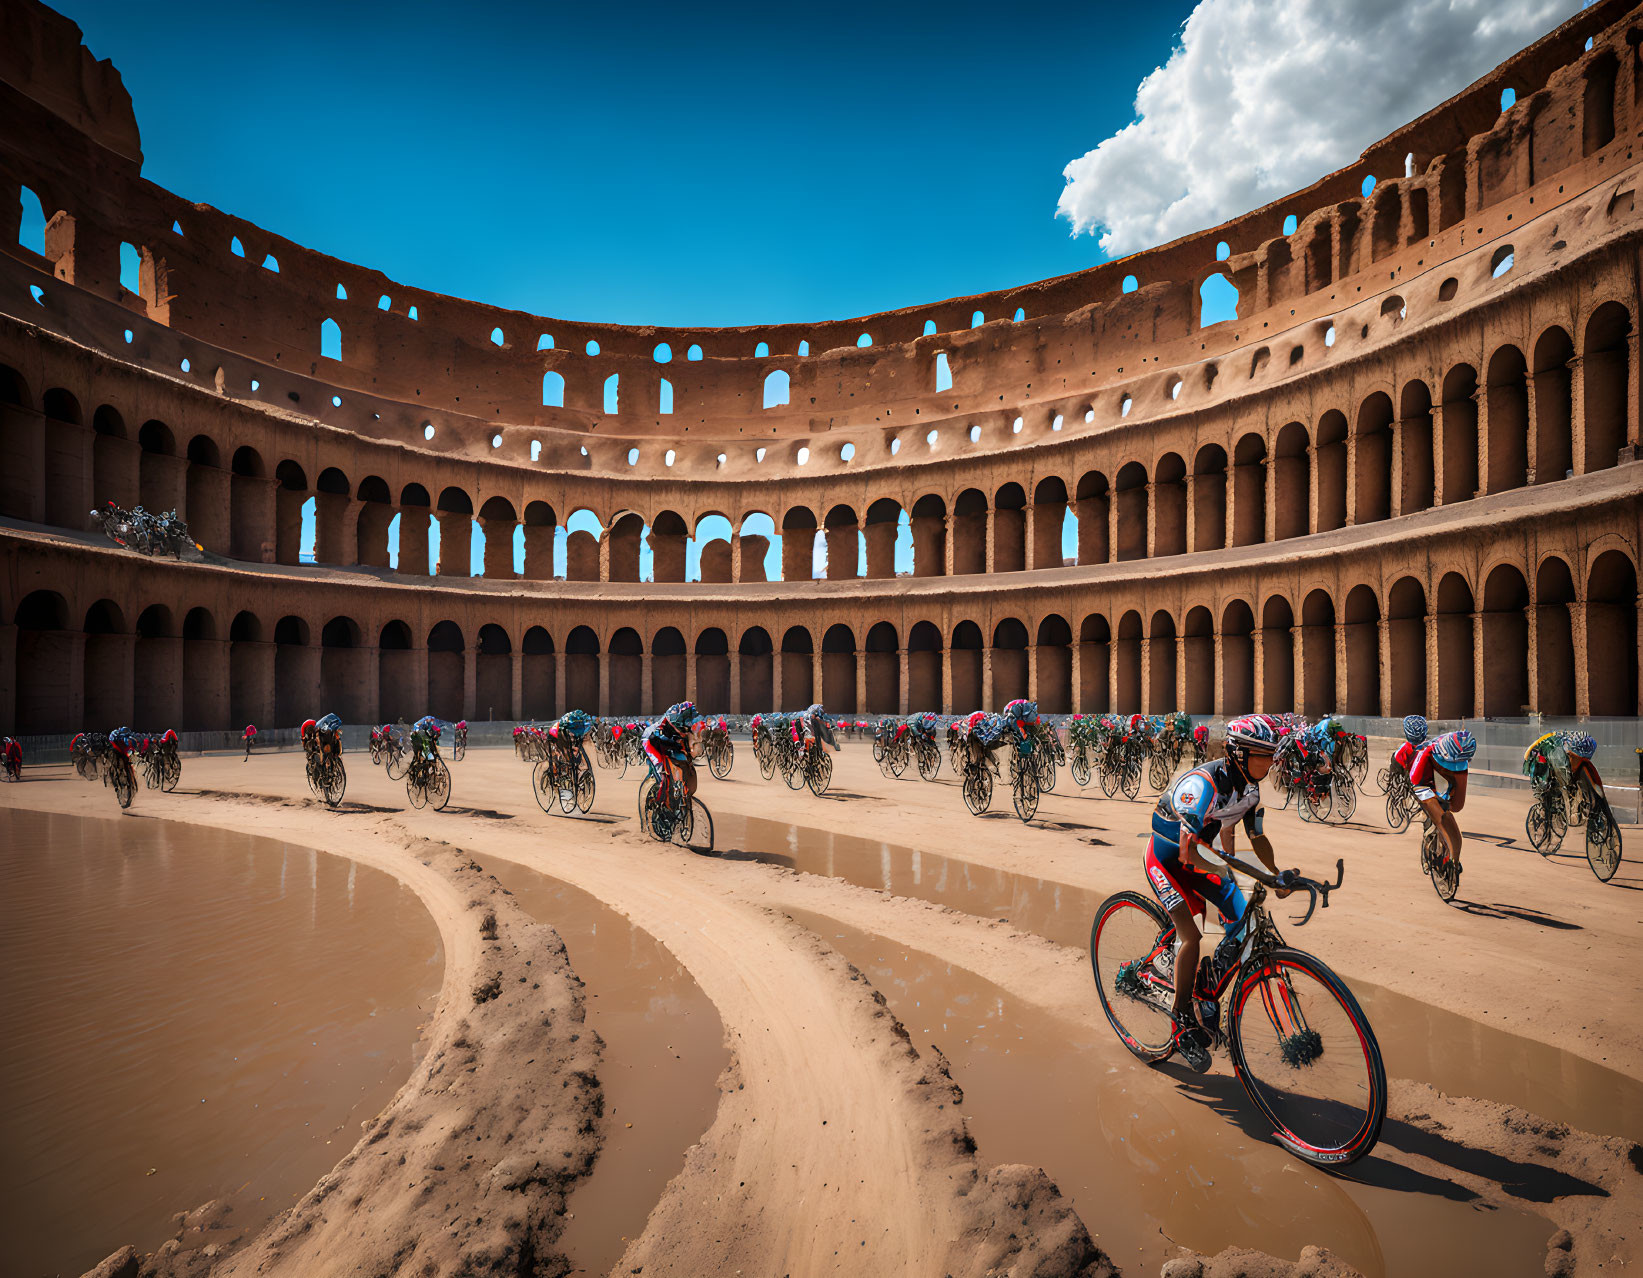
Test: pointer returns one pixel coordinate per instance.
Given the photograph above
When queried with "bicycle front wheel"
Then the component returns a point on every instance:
(1306, 1055)
(1158, 773)
(1024, 788)
(1346, 797)
(1131, 782)
(439, 785)
(584, 790)
(542, 786)
(1602, 843)
(721, 758)
(171, 773)
(1538, 826)
(125, 784)
(700, 828)
(767, 762)
(793, 773)
(1109, 780)
(416, 792)
(929, 761)
(1080, 768)
(820, 774)
(1133, 958)
(397, 764)
(334, 783)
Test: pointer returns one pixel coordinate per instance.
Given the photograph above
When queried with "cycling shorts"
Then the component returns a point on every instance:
(1174, 882)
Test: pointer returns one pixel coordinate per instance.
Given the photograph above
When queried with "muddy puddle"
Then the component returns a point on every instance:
(188, 1014)
(664, 1051)
(1153, 1159)
(1456, 1055)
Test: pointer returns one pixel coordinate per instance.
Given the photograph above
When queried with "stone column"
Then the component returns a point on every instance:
(775, 680)
(1146, 706)
(1270, 482)
(8, 680)
(946, 679)
(1432, 699)
(1112, 525)
(647, 684)
(330, 512)
(947, 549)
(904, 702)
(1352, 459)
(604, 681)
(1192, 507)
(413, 540)
(1384, 657)
(538, 551)
(370, 695)
(991, 532)
(1229, 508)
(604, 556)
(1577, 635)
(205, 670)
(1341, 673)
(1437, 454)
(1297, 686)
(455, 543)
(861, 682)
(1218, 691)
(816, 675)
(1311, 491)
(252, 518)
(499, 548)
(735, 678)
(1531, 616)
(1394, 506)
(1630, 450)
(163, 484)
(690, 674)
(1152, 532)
(1181, 673)
(1257, 638)
(735, 556)
(1029, 540)
(516, 688)
(1577, 414)
(1077, 664)
(1032, 671)
(987, 678)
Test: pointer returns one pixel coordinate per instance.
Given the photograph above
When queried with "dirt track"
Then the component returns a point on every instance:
(837, 1148)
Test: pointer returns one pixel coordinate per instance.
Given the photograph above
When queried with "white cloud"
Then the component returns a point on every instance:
(1263, 97)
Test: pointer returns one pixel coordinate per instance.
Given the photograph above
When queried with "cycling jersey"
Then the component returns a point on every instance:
(663, 740)
(1204, 802)
(1423, 773)
(1404, 755)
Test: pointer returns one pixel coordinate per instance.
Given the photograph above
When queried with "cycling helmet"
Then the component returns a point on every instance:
(308, 725)
(1249, 736)
(681, 714)
(1414, 728)
(1580, 744)
(1022, 711)
(816, 708)
(462, 723)
(1454, 750)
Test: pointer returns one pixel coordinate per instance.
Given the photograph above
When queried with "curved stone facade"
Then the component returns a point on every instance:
(1404, 477)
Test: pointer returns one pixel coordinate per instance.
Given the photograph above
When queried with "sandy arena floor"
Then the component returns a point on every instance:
(837, 1148)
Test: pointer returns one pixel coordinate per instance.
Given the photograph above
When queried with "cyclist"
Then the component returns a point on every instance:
(424, 746)
(12, 749)
(812, 723)
(1448, 757)
(1580, 747)
(1414, 736)
(667, 747)
(566, 733)
(310, 738)
(1203, 809)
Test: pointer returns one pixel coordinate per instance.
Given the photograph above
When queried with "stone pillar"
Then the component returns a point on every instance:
(735, 678)
(1311, 494)
(1577, 414)
(861, 682)
(604, 681)
(647, 685)
(775, 680)
(1577, 635)
(559, 661)
(946, 679)
(1394, 500)
(288, 503)
(499, 548)
(990, 533)
(843, 553)
(881, 549)
(1192, 508)
(690, 675)
(1341, 679)
(1146, 706)
(8, 681)
(987, 678)
(1532, 617)
(208, 507)
(816, 675)
(1218, 689)
(1297, 687)
(1152, 534)
(735, 556)
(1032, 670)
(252, 519)
(1258, 642)
(1029, 539)
(604, 557)
(23, 477)
(1112, 526)
(1384, 657)
(1077, 664)
(1477, 665)
(1352, 459)
(1181, 673)
(205, 677)
(370, 693)
(904, 701)
(538, 551)
(67, 453)
(1432, 701)
(455, 543)
(330, 529)
(163, 483)
(1437, 454)
(413, 540)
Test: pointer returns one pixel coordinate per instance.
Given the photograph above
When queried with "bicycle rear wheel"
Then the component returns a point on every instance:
(683, 823)
(564, 780)
(1024, 787)
(793, 773)
(439, 785)
(978, 790)
(1080, 768)
(125, 783)
(1397, 812)
(820, 774)
(459, 750)
(172, 772)
(1346, 797)
(929, 761)
(720, 759)
(1158, 773)
(543, 787)
(1306, 1055)
(416, 791)
(1602, 842)
(334, 783)
(1436, 861)
(1538, 826)
(1133, 959)
(897, 759)
(397, 764)
(584, 790)
(1131, 782)
(700, 838)
(767, 762)
(1109, 779)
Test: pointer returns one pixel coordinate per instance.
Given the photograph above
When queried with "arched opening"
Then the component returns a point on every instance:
(667, 668)
(397, 699)
(206, 492)
(1611, 635)
(1317, 654)
(761, 548)
(1292, 485)
(376, 513)
(1373, 481)
(536, 684)
(67, 461)
(540, 523)
(1198, 644)
(924, 688)
(1505, 651)
(44, 693)
(1169, 500)
(413, 540)
(1331, 471)
(628, 548)
(1009, 663)
(296, 672)
(581, 671)
(114, 460)
(157, 700)
(839, 670)
(1131, 496)
(1009, 529)
(343, 688)
(883, 661)
(1361, 623)
(1093, 518)
(1249, 482)
(1604, 367)
(204, 674)
(1508, 409)
(250, 672)
(1415, 463)
(1406, 635)
(1554, 407)
(1597, 103)
(843, 545)
(1054, 686)
(107, 672)
(1161, 665)
(446, 677)
(497, 521)
(755, 670)
(626, 663)
(1554, 638)
(970, 532)
(709, 548)
(1277, 656)
(251, 507)
(493, 674)
(879, 535)
(1460, 434)
(1050, 523)
(578, 554)
(1455, 654)
(929, 529)
(1128, 664)
(965, 657)
(1095, 665)
(1237, 659)
(798, 669)
(668, 535)
(799, 546)
(160, 472)
(1209, 498)
(455, 513)
(713, 671)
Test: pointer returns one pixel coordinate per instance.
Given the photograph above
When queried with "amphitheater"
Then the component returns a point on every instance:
(1404, 476)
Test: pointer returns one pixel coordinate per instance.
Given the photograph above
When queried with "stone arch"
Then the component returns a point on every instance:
(114, 459)
(1317, 654)
(928, 523)
(204, 673)
(1292, 482)
(1507, 402)
(1554, 638)
(1604, 371)
(1050, 511)
(14, 389)
(107, 666)
(296, 671)
(1455, 652)
(1372, 486)
(398, 698)
(1415, 463)
(1406, 635)
(1237, 658)
(924, 683)
(882, 658)
(839, 669)
(1009, 662)
(1504, 621)
(342, 670)
(1198, 653)
(1361, 623)
(711, 541)
(581, 670)
(712, 671)
(1169, 503)
(626, 538)
(1130, 493)
(158, 670)
(44, 693)
(755, 662)
(1277, 656)
(1161, 664)
(879, 532)
(1554, 406)
(970, 532)
(447, 660)
(798, 668)
(1053, 685)
(497, 521)
(964, 653)
(540, 523)
(455, 513)
(538, 675)
(1611, 635)
(1094, 517)
(1095, 664)
(250, 671)
(1127, 664)
(1460, 434)
(161, 474)
(493, 674)
(1009, 528)
(625, 663)
(799, 546)
(667, 668)
(843, 540)
(668, 535)
(1332, 459)
(1249, 485)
